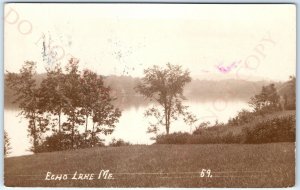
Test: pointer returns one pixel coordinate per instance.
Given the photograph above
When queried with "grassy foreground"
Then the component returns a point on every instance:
(231, 165)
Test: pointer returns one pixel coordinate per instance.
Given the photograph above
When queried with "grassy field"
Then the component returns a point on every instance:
(231, 165)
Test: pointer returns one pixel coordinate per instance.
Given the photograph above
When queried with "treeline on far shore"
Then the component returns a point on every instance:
(197, 90)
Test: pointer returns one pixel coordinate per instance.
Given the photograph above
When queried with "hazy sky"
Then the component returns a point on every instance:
(124, 39)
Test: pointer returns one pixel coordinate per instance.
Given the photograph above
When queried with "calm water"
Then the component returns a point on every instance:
(132, 126)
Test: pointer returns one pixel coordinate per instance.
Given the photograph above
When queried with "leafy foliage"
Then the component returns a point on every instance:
(7, 146)
(273, 130)
(165, 87)
(119, 142)
(267, 101)
(73, 94)
(281, 129)
(63, 141)
(52, 99)
(204, 137)
(27, 95)
(242, 118)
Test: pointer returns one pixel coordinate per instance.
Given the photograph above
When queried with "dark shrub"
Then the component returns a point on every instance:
(280, 129)
(206, 127)
(200, 128)
(203, 136)
(214, 138)
(230, 138)
(62, 141)
(243, 117)
(174, 138)
(119, 142)
(55, 142)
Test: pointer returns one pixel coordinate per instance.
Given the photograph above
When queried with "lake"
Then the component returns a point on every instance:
(132, 124)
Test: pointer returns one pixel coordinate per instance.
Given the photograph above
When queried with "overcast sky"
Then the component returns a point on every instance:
(124, 39)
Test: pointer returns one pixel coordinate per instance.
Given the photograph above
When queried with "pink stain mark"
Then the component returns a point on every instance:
(226, 69)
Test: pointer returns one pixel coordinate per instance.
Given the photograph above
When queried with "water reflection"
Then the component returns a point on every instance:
(132, 126)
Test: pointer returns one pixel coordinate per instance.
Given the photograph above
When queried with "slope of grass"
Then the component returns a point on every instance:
(238, 129)
(263, 165)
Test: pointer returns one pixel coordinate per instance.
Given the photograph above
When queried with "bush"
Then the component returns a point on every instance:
(202, 137)
(203, 125)
(215, 138)
(55, 142)
(119, 142)
(62, 141)
(243, 117)
(231, 138)
(174, 138)
(273, 130)
(280, 129)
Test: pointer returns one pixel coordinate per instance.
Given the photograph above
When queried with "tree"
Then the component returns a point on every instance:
(91, 85)
(290, 94)
(266, 101)
(7, 146)
(165, 87)
(104, 116)
(52, 99)
(27, 96)
(96, 102)
(71, 94)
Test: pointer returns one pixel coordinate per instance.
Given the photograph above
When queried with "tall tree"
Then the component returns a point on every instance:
(104, 114)
(52, 99)
(27, 96)
(97, 103)
(90, 85)
(165, 87)
(71, 94)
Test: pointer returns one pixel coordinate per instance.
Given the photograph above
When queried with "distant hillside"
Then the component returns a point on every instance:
(229, 88)
(200, 90)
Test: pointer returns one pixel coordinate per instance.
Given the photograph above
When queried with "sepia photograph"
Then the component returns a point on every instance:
(157, 95)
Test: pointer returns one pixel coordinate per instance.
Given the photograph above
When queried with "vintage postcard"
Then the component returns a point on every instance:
(149, 95)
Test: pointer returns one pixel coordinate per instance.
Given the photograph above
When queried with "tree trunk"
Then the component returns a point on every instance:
(34, 134)
(86, 124)
(166, 120)
(59, 131)
(167, 128)
(169, 123)
(93, 143)
(72, 138)
(59, 125)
